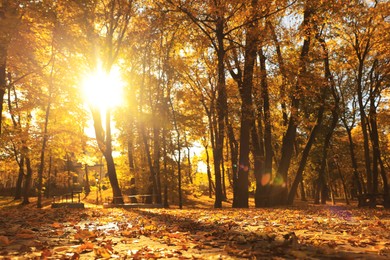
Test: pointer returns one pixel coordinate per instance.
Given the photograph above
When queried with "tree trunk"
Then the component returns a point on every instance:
(179, 179)
(282, 72)
(3, 80)
(290, 134)
(267, 117)
(257, 135)
(178, 161)
(111, 171)
(152, 179)
(10, 19)
(130, 154)
(165, 168)
(246, 115)
(209, 178)
(305, 154)
(363, 123)
(233, 144)
(156, 164)
(189, 173)
(27, 182)
(221, 113)
(386, 191)
(343, 182)
(87, 187)
(44, 142)
(19, 182)
(302, 189)
(356, 175)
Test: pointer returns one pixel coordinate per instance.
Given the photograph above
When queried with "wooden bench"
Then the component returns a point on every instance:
(141, 202)
(373, 200)
(68, 200)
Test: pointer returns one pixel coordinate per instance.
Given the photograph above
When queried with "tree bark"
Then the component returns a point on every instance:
(221, 112)
(305, 154)
(247, 113)
(290, 134)
(105, 145)
(27, 182)
(209, 178)
(19, 182)
(267, 116)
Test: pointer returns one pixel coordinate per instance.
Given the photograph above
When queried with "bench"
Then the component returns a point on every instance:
(140, 202)
(68, 200)
(373, 200)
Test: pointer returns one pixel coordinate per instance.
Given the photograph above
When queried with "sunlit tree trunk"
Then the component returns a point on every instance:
(45, 133)
(156, 164)
(105, 145)
(178, 156)
(43, 150)
(165, 167)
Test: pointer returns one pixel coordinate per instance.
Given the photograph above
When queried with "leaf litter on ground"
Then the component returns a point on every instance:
(310, 232)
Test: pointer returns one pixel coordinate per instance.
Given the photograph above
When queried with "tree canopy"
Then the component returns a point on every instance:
(263, 99)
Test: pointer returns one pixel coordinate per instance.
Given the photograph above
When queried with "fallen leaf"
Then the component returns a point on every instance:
(102, 252)
(86, 247)
(25, 236)
(57, 225)
(4, 241)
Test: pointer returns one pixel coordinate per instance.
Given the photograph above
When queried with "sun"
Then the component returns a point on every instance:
(103, 90)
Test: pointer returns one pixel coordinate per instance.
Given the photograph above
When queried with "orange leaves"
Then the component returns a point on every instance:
(102, 252)
(184, 234)
(4, 241)
(84, 235)
(86, 247)
(57, 225)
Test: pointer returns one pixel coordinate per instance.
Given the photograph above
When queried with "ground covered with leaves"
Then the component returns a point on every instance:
(309, 232)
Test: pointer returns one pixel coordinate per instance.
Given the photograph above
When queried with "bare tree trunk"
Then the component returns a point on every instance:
(209, 178)
(178, 161)
(87, 187)
(305, 154)
(45, 137)
(19, 182)
(290, 134)
(156, 164)
(251, 39)
(364, 125)
(221, 112)
(267, 117)
(27, 182)
(343, 182)
(233, 144)
(302, 189)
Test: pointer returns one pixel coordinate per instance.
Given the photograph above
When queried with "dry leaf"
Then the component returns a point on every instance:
(4, 241)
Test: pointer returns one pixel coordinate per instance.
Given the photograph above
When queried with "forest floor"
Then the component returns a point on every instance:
(304, 231)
